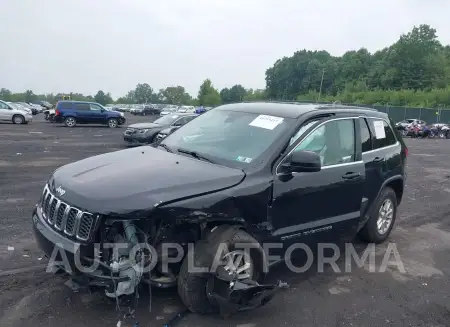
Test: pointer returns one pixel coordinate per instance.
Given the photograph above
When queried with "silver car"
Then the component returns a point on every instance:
(13, 113)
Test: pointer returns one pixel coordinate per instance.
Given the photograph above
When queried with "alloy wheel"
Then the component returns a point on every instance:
(385, 216)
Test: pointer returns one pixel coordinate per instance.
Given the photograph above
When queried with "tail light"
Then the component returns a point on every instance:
(56, 112)
(406, 151)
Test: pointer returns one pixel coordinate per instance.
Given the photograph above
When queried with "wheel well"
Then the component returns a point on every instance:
(15, 115)
(397, 186)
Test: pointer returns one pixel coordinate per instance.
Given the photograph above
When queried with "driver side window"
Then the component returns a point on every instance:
(95, 107)
(3, 105)
(333, 141)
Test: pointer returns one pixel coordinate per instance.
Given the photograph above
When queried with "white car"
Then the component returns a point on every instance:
(168, 110)
(14, 113)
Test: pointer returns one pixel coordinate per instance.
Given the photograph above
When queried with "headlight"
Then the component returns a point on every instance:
(122, 114)
(144, 130)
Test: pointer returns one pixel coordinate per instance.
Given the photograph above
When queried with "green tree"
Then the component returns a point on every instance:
(175, 95)
(235, 94)
(143, 93)
(103, 98)
(208, 95)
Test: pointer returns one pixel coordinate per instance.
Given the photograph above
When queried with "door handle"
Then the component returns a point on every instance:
(351, 175)
(378, 159)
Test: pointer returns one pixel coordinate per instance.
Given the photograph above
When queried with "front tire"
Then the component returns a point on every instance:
(193, 286)
(18, 119)
(113, 123)
(381, 217)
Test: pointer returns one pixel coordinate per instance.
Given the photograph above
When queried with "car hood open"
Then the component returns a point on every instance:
(137, 180)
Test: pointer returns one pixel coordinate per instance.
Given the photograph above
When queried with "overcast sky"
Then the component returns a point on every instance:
(86, 45)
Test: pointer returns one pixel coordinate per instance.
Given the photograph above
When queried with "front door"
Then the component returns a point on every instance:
(5, 112)
(325, 205)
(97, 114)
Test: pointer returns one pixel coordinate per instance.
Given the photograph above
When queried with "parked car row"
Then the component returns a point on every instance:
(147, 133)
(419, 129)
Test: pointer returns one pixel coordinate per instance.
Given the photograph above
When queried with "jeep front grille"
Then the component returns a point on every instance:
(66, 219)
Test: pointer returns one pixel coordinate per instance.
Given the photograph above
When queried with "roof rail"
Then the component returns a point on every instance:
(336, 105)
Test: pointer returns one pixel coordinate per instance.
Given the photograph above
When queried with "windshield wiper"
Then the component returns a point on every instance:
(165, 147)
(195, 155)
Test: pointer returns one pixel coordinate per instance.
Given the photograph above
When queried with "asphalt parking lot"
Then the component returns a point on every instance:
(419, 296)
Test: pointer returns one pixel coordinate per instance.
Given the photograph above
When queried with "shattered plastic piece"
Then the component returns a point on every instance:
(234, 295)
(10, 248)
(119, 324)
(25, 255)
(18, 153)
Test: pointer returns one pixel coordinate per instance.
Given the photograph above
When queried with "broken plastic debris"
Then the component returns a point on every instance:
(25, 255)
(39, 259)
(10, 248)
(119, 324)
(18, 153)
(282, 284)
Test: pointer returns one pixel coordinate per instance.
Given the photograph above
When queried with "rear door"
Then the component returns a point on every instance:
(381, 155)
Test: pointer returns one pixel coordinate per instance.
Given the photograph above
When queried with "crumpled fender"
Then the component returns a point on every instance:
(232, 296)
(229, 294)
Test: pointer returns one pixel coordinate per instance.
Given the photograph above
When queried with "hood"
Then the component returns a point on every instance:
(144, 125)
(167, 130)
(136, 180)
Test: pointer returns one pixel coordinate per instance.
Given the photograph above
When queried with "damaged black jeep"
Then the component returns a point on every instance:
(233, 181)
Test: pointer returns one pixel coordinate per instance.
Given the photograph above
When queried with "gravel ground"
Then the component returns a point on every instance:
(417, 296)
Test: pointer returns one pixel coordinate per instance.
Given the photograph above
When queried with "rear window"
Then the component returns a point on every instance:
(64, 105)
(383, 134)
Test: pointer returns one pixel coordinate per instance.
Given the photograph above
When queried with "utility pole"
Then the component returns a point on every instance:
(321, 83)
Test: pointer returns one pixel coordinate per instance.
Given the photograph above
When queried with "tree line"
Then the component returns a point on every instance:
(414, 71)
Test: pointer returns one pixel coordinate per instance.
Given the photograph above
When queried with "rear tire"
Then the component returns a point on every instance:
(70, 121)
(377, 228)
(193, 286)
(18, 119)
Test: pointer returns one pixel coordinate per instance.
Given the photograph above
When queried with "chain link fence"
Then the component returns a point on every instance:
(429, 115)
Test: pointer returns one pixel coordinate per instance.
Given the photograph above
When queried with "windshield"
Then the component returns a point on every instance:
(26, 105)
(233, 137)
(166, 120)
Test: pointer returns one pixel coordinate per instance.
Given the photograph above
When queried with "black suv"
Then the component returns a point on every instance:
(241, 175)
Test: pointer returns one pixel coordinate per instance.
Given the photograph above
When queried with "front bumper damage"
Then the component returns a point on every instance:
(224, 290)
(232, 295)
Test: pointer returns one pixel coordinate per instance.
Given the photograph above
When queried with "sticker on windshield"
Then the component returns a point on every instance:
(379, 129)
(267, 122)
(244, 159)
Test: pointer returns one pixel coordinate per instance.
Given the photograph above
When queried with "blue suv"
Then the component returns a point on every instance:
(79, 112)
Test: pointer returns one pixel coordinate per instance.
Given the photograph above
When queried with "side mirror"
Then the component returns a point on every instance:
(303, 161)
